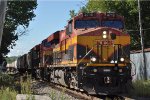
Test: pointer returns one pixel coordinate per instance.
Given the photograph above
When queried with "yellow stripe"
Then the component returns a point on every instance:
(63, 65)
(88, 65)
(121, 65)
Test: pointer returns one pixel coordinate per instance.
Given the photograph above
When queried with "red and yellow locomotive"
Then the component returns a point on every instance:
(91, 54)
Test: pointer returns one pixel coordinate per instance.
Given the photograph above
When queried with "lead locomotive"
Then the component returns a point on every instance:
(90, 54)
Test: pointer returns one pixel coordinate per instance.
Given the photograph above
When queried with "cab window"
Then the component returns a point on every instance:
(114, 24)
(86, 23)
(69, 28)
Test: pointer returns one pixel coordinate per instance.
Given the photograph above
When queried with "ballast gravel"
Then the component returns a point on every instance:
(43, 88)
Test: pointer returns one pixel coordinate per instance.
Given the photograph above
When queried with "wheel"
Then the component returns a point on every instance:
(73, 81)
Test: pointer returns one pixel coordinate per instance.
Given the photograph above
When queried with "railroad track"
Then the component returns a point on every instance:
(79, 94)
(74, 93)
(83, 95)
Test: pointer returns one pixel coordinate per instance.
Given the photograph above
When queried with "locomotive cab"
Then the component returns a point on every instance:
(93, 54)
(102, 52)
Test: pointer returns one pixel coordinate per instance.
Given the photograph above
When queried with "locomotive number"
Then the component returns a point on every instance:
(106, 42)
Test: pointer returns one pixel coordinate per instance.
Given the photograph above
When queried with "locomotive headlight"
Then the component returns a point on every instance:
(104, 34)
(94, 70)
(93, 59)
(122, 59)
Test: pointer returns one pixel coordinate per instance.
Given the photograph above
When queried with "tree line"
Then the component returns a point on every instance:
(128, 9)
(18, 15)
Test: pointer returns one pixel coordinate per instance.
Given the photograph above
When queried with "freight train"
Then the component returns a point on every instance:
(91, 54)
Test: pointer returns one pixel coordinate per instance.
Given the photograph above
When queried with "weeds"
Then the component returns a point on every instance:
(6, 80)
(30, 97)
(7, 94)
(62, 97)
(26, 85)
(54, 95)
(141, 88)
(10, 88)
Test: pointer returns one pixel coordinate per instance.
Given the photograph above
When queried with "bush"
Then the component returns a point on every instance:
(58, 95)
(7, 94)
(26, 85)
(141, 88)
(6, 80)
(9, 88)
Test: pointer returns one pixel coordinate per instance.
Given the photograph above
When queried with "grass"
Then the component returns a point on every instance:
(141, 88)
(9, 88)
(7, 91)
(6, 80)
(7, 94)
(26, 85)
(55, 95)
(62, 97)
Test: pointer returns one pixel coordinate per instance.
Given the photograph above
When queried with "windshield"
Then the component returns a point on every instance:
(86, 23)
(114, 24)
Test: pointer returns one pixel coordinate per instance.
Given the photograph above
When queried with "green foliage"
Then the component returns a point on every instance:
(26, 85)
(6, 80)
(72, 13)
(83, 10)
(18, 15)
(54, 95)
(141, 88)
(62, 97)
(7, 91)
(30, 97)
(7, 94)
(11, 59)
(129, 9)
(9, 88)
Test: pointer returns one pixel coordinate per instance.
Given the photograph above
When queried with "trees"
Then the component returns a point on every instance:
(19, 14)
(129, 9)
(72, 13)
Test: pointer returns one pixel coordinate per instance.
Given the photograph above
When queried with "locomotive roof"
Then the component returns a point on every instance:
(53, 36)
(36, 47)
(98, 14)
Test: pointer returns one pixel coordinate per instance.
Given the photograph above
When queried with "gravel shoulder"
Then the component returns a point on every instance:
(43, 88)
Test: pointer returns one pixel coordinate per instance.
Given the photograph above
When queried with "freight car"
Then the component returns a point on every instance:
(12, 67)
(22, 64)
(90, 54)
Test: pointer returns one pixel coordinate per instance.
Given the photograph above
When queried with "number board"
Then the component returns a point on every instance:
(106, 42)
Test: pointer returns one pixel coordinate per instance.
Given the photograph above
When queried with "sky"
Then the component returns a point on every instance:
(51, 16)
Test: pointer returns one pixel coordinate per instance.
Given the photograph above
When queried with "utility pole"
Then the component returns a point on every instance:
(142, 42)
(3, 4)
